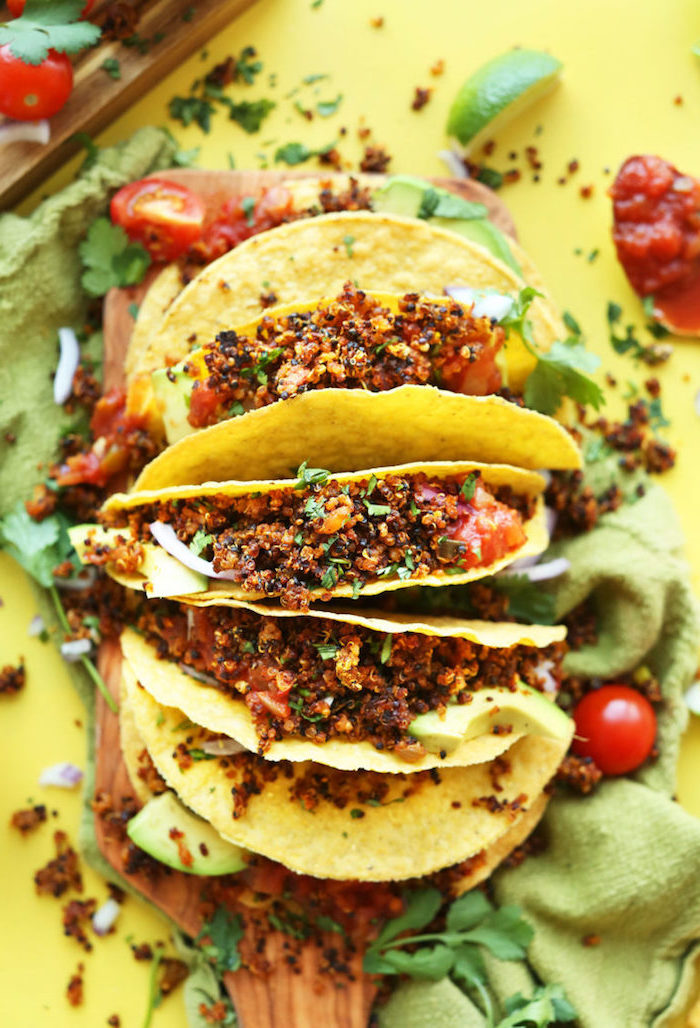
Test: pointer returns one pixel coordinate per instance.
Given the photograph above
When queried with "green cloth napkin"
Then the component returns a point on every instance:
(40, 291)
(623, 864)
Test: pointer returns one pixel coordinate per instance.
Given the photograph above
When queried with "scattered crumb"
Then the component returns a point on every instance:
(77, 914)
(377, 22)
(62, 873)
(438, 67)
(12, 679)
(420, 98)
(375, 159)
(74, 990)
(591, 940)
(26, 821)
(678, 100)
(586, 192)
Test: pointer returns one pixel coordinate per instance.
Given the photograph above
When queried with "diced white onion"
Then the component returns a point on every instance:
(222, 747)
(165, 535)
(67, 365)
(329, 700)
(692, 698)
(75, 649)
(454, 162)
(486, 305)
(36, 625)
(529, 567)
(105, 916)
(199, 675)
(64, 775)
(28, 131)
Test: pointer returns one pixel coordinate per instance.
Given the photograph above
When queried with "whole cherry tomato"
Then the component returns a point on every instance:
(17, 6)
(164, 216)
(30, 92)
(616, 727)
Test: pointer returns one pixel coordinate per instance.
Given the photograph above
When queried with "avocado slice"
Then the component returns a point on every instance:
(524, 711)
(415, 198)
(151, 831)
(173, 391)
(160, 574)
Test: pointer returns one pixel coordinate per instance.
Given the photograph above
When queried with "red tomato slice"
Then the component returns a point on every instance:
(31, 92)
(164, 216)
(616, 727)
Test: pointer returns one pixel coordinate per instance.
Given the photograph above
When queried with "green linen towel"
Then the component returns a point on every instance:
(623, 864)
(40, 291)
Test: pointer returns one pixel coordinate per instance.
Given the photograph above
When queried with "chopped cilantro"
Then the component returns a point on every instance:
(330, 577)
(110, 258)
(247, 646)
(356, 588)
(248, 207)
(356, 812)
(327, 650)
(249, 114)
(198, 754)
(314, 508)
(188, 109)
(327, 107)
(113, 68)
(224, 932)
(376, 508)
(311, 476)
(200, 541)
(257, 370)
(386, 648)
(441, 203)
(469, 486)
(572, 324)
(348, 242)
(490, 177)
(48, 26)
(236, 409)
(133, 311)
(246, 67)
(310, 79)
(293, 153)
(299, 538)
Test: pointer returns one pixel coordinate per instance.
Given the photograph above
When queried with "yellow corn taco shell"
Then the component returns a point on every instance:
(521, 481)
(419, 825)
(310, 258)
(350, 429)
(221, 713)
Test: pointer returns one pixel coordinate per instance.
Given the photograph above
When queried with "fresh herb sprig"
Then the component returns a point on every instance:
(471, 924)
(649, 353)
(110, 258)
(45, 26)
(219, 939)
(562, 371)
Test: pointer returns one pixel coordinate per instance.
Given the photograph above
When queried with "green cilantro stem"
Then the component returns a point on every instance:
(152, 988)
(85, 661)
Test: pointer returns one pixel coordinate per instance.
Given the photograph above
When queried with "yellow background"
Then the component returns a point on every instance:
(625, 62)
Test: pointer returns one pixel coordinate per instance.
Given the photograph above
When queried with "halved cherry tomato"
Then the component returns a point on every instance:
(29, 92)
(164, 216)
(616, 727)
(17, 6)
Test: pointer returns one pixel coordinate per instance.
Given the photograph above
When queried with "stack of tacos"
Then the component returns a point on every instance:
(345, 443)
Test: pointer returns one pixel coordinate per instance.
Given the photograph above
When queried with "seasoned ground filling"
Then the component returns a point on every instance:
(352, 342)
(322, 533)
(323, 679)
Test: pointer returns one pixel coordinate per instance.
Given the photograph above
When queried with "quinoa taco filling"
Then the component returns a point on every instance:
(351, 342)
(310, 536)
(322, 679)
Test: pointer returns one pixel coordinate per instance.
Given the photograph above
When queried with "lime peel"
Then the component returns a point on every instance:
(499, 91)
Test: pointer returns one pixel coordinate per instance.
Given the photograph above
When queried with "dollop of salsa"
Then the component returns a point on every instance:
(656, 232)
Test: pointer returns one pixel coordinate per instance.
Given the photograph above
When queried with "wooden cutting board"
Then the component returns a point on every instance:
(171, 30)
(281, 999)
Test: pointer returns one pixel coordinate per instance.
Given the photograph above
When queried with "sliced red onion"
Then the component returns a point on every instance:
(692, 698)
(36, 625)
(105, 916)
(199, 675)
(67, 365)
(486, 305)
(165, 535)
(75, 649)
(224, 747)
(64, 775)
(27, 131)
(529, 567)
(454, 162)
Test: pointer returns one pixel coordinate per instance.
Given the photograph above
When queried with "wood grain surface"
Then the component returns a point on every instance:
(173, 30)
(284, 998)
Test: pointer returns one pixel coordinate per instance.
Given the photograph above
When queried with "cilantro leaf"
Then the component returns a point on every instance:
(192, 108)
(327, 107)
(110, 258)
(467, 911)
(200, 541)
(327, 651)
(425, 963)
(561, 372)
(293, 153)
(547, 1006)
(249, 114)
(38, 546)
(311, 476)
(225, 930)
(469, 486)
(527, 601)
(504, 933)
(45, 26)
(421, 908)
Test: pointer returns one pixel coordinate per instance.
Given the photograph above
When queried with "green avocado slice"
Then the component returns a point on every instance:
(524, 711)
(173, 392)
(164, 816)
(415, 198)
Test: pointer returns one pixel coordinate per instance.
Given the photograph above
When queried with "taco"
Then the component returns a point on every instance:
(349, 690)
(314, 257)
(343, 825)
(322, 535)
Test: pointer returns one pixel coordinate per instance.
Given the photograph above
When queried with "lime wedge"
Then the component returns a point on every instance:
(498, 91)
